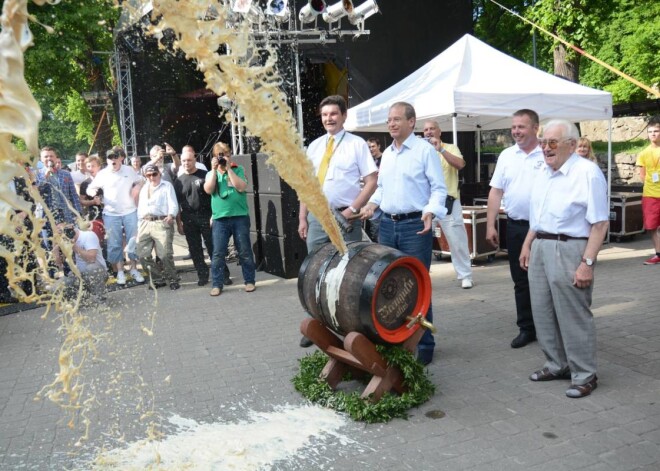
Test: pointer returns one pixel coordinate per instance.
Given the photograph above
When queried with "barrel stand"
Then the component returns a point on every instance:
(357, 355)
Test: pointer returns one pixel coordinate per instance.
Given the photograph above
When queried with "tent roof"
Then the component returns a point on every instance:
(484, 87)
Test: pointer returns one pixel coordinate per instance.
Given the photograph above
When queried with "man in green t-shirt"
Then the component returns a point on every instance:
(226, 183)
(648, 162)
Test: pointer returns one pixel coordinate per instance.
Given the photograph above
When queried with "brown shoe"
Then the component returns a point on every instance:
(216, 291)
(546, 375)
(577, 391)
(249, 288)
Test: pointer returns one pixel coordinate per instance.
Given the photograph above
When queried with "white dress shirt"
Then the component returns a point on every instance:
(350, 161)
(161, 202)
(569, 200)
(410, 179)
(514, 174)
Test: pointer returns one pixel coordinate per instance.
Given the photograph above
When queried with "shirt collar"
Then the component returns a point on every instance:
(337, 136)
(566, 166)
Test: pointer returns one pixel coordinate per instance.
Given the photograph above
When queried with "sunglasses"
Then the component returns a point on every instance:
(113, 156)
(552, 144)
(151, 174)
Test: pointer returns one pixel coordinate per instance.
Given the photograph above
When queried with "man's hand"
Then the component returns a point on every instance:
(214, 163)
(169, 220)
(492, 237)
(302, 229)
(584, 276)
(169, 149)
(367, 211)
(428, 222)
(525, 253)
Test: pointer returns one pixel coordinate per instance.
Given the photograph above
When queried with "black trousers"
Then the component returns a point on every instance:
(516, 231)
(196, 226)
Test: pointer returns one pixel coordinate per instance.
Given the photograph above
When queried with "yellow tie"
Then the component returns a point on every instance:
(323, 168)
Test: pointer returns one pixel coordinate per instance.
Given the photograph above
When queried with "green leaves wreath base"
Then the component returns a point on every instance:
(391, 406)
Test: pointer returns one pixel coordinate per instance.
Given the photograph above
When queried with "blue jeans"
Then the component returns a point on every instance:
(222, 229)
(402, 235)
(115, 227)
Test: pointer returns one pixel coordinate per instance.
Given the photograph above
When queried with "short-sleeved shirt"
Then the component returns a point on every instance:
(568, 201)
(117, 198)
(649, 158)
(450, 172)
(226, 200)
(191, 195)
(514, 175)
(87, 240)
(350, 161)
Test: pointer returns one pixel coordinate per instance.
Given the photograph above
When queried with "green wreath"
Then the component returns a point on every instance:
(391, 406)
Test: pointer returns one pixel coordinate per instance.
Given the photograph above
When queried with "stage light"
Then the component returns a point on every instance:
(241, 6)
(279, 9)
(338, 10)
(309, 12)
(364, 11)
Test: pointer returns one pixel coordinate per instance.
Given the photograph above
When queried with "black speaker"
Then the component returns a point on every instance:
(274, 209)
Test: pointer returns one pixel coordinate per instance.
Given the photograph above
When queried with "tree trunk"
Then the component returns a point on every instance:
(102, 121)
(565, 68)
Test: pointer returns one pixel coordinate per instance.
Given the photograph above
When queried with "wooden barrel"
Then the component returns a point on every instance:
(371, 290)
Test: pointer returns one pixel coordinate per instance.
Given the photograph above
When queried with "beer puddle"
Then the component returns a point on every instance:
(289, 434)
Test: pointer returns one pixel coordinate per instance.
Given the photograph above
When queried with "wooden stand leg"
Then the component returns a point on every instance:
(358, 355)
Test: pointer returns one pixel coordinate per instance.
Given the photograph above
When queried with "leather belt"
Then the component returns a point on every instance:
(561, 237)
(403, 216)
(151, 217)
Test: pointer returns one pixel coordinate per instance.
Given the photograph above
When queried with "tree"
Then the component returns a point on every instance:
(64, 64)
(629, 42)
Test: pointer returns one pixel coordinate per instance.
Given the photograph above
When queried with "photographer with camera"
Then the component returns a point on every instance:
(226, 183)
(89, 261)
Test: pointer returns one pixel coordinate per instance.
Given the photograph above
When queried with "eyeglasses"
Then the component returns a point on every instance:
(151, 174)
(552, 143)
(113, 156)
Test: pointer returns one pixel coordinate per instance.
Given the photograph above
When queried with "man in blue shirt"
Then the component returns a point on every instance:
(411, 191)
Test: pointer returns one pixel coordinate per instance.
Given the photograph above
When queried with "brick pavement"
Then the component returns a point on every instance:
(226, 355)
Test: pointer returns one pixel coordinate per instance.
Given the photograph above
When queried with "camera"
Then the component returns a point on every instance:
(222, 161)
(69, 232)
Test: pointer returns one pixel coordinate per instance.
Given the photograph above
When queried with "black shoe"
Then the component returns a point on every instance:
(157, 284)
(305, 342)
(202, 282)
(187, 257)
(523, 339)
(175, 285)
(228, 281)
(424, 356)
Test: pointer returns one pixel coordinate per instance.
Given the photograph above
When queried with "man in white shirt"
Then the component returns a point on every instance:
(121, 186)
(157, 211)
(513, 179)
(411, 192)
(452, 224)
(340, 160)
(569, 217)
(189, 152)
(90, 263)
(79, 174)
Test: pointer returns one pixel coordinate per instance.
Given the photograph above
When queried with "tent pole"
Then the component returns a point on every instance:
(478, 153)
(454, 130)
(609, 171)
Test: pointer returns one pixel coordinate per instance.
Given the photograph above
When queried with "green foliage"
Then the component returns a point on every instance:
(391, 406)
(62, 65)
(622, 33)
(634, 146)
(630, 43)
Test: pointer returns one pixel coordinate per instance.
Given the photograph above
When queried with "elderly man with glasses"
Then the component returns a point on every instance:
(157, 211)
(569, 217)
(121, 186)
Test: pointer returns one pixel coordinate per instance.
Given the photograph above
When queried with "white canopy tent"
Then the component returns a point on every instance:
(472, 87)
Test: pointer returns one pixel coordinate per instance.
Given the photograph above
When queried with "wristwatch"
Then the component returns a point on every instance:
(353, 210)
(588, 261)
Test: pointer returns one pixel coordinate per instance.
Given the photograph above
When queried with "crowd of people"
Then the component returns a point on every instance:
(548, 182)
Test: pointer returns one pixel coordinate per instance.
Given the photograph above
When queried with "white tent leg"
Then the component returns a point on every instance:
(609, 170)
(478, 154)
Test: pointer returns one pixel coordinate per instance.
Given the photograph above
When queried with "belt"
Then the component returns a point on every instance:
(561, 237)
(151, 217)
(522, 222)
(341, 209)
(403, 216)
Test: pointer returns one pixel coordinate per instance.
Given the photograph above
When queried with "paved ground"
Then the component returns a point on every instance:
(213, 359)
